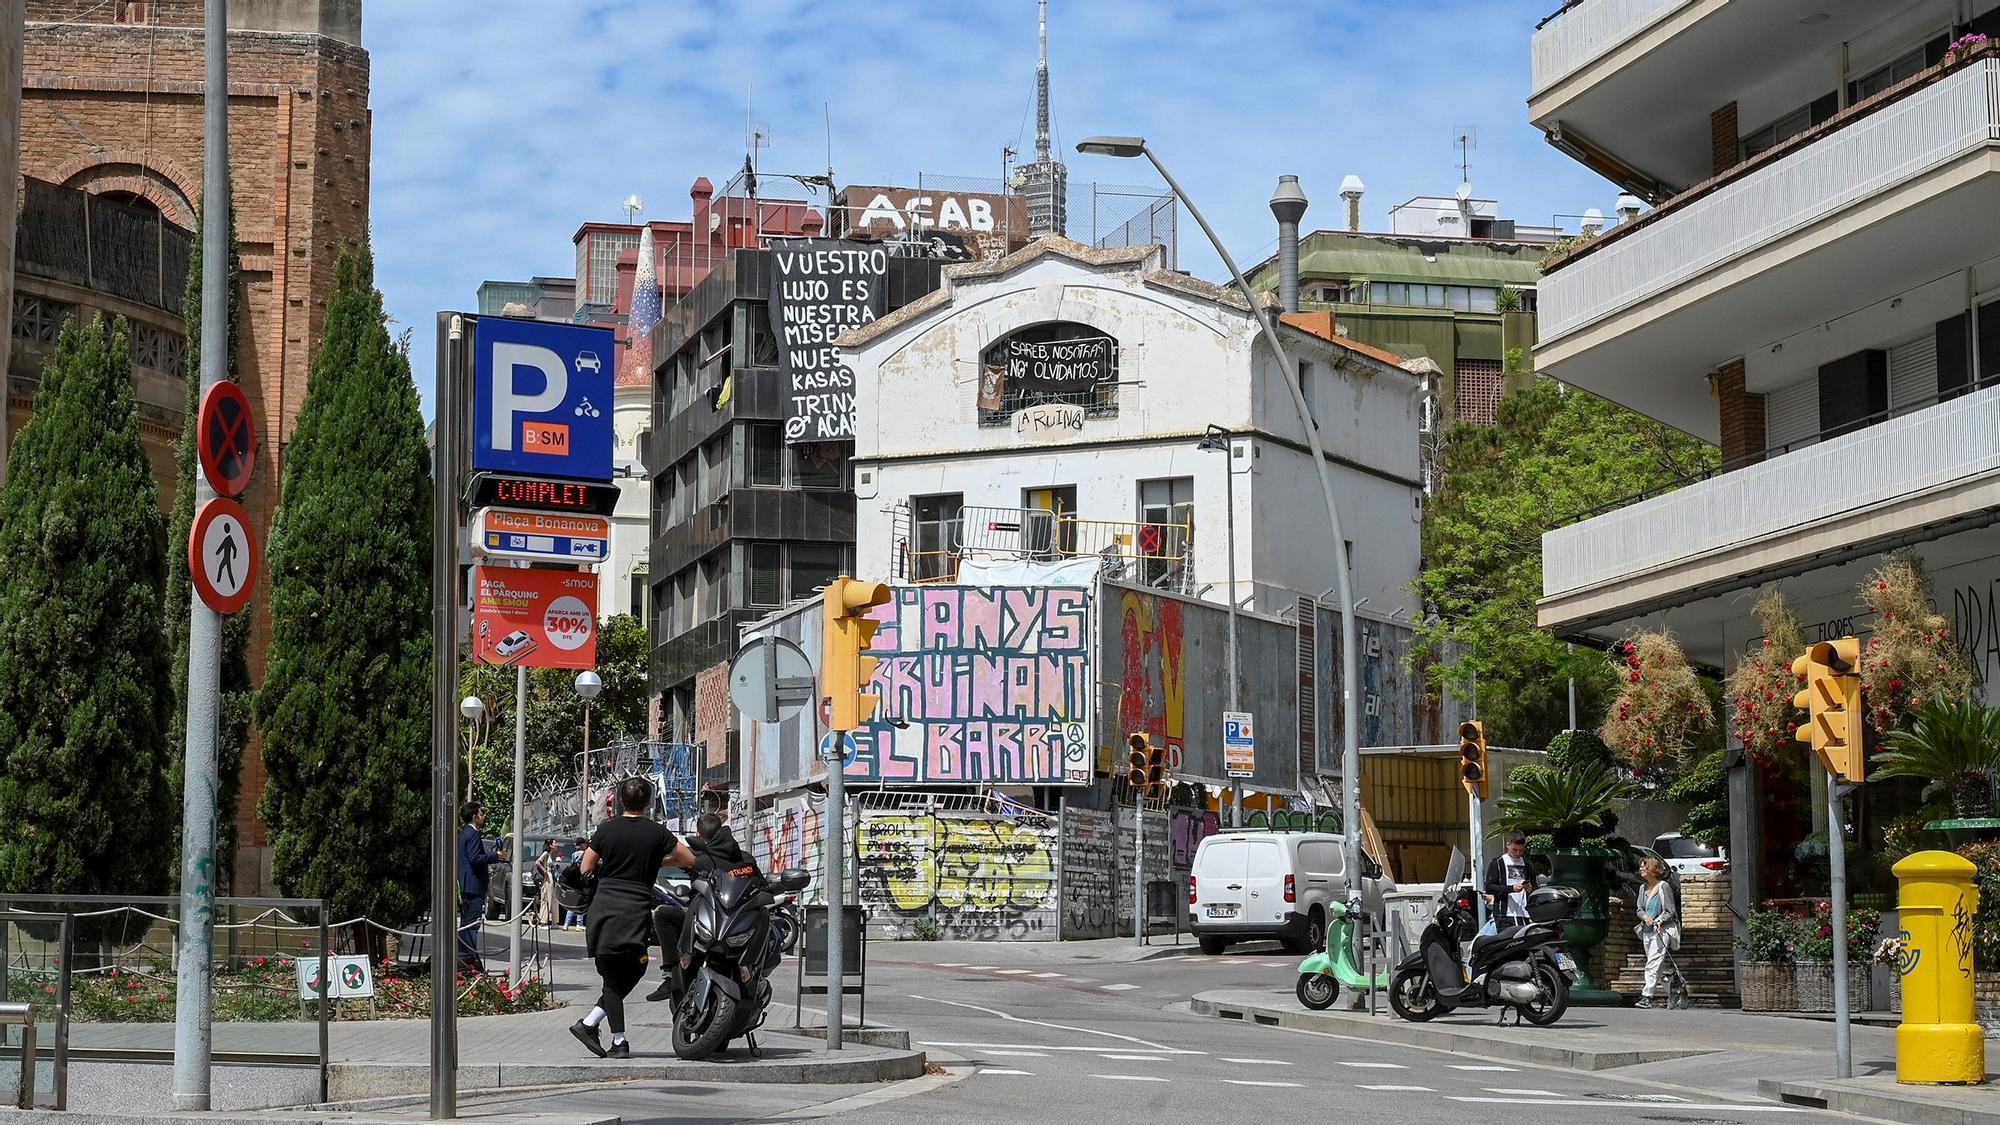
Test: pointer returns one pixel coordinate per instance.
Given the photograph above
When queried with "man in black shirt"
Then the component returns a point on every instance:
(625, 855)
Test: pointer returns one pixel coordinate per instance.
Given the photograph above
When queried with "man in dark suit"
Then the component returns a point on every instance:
(1509, 878)
(475, 862)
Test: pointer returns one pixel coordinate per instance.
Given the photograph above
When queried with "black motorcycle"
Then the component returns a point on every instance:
(1524, 968)
(729, 948)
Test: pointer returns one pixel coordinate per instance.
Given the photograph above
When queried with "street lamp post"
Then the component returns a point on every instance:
(588, 684)
(474, 710)
(1218, 439)
(1350, 759)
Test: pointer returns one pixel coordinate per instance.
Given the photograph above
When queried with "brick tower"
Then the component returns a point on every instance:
(111, 102)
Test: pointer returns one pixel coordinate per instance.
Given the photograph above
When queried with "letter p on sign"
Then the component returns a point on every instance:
(508, 401)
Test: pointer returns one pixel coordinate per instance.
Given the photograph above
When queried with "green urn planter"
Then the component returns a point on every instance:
(1582, 869)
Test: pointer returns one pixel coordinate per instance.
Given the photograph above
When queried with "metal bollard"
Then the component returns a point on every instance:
(1939, 1041)
(23, 1016)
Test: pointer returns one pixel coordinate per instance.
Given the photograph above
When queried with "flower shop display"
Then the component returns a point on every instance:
(1661, 709)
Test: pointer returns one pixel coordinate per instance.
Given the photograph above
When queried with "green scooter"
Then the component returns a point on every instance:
(1322, 974)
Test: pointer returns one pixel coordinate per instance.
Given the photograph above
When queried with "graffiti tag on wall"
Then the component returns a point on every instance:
(1088, 886)
(989, 684)
(975, 877)
(1190, 828)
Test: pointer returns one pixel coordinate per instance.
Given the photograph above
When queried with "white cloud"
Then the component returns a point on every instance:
(500, 127)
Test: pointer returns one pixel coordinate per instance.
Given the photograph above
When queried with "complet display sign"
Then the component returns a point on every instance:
(533, 617)
(823, 288)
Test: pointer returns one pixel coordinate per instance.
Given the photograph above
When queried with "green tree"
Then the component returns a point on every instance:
(1552, 454)
(555, 713)
(233, 727)
(83, 731)
(345, 706)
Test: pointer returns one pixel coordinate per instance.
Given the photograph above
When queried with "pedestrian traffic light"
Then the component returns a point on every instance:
(1472, 757)
(844, 671)
(1831, 697)
(1137, 761)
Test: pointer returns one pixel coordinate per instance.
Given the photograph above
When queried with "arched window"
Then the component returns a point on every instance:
(1055, 362)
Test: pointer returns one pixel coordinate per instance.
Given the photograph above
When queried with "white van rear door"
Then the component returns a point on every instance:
(1219, 871)
(1266, 866)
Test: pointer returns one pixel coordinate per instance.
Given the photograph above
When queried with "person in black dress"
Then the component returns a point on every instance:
(625, 855)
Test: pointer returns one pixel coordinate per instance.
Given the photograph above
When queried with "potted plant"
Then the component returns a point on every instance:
(1896, 953)
(1769, 943)
(1965, 46)
(1955, 745)
(1571, 805)
(1813, 963)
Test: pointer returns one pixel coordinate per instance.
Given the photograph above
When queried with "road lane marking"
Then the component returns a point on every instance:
(1022, 1054)
(1372, 1065)
(1456, 1066)
(1276, 964)
(1524, 1093)
(997, 1070)
(1130, 1077)
(1013, 972)
(951, 964)
(1117, 987)
(1404, 1089)
(1257, 1062)
(1730, 1107)
(979, 968)
(1135, 1058)
(1045, 976)
(1247, 1082)
(1048, 1047)
(1145, 1043)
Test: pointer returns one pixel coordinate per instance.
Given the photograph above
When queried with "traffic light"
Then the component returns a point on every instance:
(1472, 757)
(1156, 772)
(1831, 698)
(1138, 762)
(844, 672)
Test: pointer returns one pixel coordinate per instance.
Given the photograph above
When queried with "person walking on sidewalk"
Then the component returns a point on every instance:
(548, 867)
(1659, 923)
(625, 855)
(573, 919)
(475, 863)
(1508, 880)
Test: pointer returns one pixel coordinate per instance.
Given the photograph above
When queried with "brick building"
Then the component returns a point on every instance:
(111, 102)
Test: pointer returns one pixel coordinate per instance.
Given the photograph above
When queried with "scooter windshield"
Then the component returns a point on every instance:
(1454, 872)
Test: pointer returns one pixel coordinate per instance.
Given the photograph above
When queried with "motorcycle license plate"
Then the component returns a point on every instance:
(1567, 965)
(1224, 910)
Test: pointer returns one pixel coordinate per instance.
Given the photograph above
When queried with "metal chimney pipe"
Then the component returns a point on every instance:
(1288, 203)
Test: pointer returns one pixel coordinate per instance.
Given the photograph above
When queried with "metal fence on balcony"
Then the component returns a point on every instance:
(1154, 554)
(1583, 30)
(86, 240)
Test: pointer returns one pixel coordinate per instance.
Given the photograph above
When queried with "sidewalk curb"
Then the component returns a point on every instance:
(286, 1117)
(350, 1082)
(1836, 1097)
(1441, 1038)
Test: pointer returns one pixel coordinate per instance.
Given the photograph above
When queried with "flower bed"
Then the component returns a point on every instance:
(1788, 964)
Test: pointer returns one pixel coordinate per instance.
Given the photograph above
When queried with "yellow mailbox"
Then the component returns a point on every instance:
(1939, 1040)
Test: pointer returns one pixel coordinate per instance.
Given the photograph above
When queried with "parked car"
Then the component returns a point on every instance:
(497, 906)
(1254, 884)
(1690, 856)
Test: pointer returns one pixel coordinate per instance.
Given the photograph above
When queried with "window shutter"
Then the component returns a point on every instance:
(1791, 414)
(1913, 374)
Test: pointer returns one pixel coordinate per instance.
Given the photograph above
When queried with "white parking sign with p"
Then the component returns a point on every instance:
(542, 398)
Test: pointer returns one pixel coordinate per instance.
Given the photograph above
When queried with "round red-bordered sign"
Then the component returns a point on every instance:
(222, 555)
(226, 438)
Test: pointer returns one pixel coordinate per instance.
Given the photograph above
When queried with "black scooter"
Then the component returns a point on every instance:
(729, 948)
(1523, 968)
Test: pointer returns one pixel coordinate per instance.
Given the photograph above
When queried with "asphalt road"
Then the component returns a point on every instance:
(1027, 1035)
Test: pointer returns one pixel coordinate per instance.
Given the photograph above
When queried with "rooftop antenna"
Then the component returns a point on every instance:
(633, 205)
(1466, 140)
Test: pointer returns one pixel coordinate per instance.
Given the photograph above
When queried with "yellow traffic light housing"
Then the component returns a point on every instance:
(1138, 763)
(1156, 772)
(1831, 697)
(1472, 757)
(845, 672)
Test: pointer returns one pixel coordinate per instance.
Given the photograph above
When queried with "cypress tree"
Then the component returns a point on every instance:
(233, 727)
(83, 675)
(344, 709)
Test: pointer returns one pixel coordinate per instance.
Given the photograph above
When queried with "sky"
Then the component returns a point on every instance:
(497, 133)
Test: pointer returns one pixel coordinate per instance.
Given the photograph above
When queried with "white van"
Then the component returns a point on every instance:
(1257, 884)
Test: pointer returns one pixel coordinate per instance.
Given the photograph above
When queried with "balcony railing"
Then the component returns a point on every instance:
(1949, 441)
(1915, 127)
(1154, 554)
(1100, 401)
(1583, 30)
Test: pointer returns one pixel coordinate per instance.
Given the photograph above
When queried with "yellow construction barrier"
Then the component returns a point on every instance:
(1939, 1041)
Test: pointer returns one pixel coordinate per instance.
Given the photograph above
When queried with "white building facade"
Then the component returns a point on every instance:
(621, 581)
(1050, 406)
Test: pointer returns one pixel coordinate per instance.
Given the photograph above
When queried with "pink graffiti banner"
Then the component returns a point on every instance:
(980, 685)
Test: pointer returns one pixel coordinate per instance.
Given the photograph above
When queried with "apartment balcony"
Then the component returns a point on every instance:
(1911, 478)
(1152, 554)
(1889, 195)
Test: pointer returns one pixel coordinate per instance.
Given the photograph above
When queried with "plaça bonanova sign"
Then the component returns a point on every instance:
(541, 398)
(822, 289)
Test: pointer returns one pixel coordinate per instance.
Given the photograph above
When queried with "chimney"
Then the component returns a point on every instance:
(1593, 221)
(1351, 188)
(1288, 203)
(1628, 207)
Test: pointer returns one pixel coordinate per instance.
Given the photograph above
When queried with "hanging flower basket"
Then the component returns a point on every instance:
(1661, 708)
(1763, 685)
(1911, 659)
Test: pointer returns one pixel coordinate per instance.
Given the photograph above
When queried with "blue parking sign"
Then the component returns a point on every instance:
(541, 398)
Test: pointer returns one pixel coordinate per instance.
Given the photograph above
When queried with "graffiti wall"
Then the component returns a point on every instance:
(791, 833)
(1158, 852)
(1187, 828)
(1397, 709)
(989, 685)
(976, 877)
(1089, 889)
(1169, 659)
